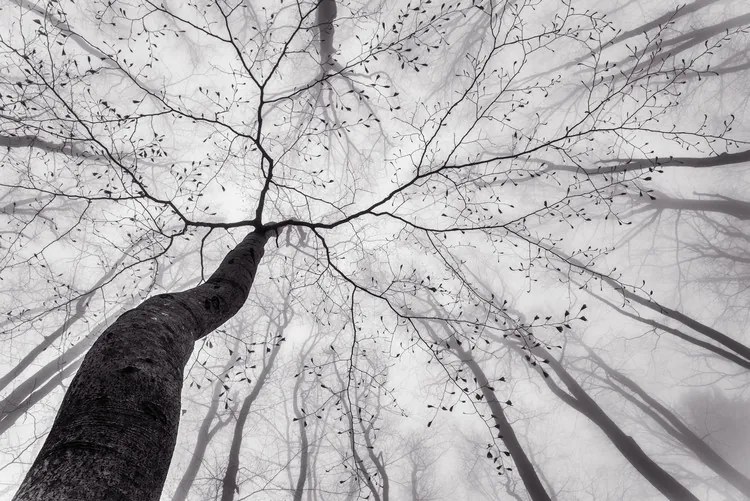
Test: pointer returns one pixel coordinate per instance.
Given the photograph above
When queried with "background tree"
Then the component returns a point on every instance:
(432, 189)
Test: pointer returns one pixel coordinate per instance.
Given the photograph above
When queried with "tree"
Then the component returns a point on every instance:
(380, 170)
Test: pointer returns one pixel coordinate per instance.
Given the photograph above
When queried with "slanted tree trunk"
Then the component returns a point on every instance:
(46, 379)
(12, 414)
(524, 466)
(726, 341)
(115, 432)
(674, 425)
(583, 403)
(205, 433)
(229, 484)
(79, 311)
(731, 356)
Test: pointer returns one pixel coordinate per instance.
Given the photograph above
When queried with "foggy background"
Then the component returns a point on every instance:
(550, 196)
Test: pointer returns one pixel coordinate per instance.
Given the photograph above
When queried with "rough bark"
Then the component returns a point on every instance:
(115, 432)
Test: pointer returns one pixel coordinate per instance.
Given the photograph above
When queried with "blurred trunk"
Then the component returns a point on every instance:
(524, 466)
(79, 311)
(304, 444)
(205, 434)
(40, 384)
(414, 483)
(229, 483)
(673, 425)
(580, 400)
(11, 415)
(359, 464)
(725, 341)
(718, 350)
(115, 431)
(728, 206)
(377, 459)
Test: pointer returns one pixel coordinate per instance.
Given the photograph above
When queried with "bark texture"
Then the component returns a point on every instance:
(115, 432)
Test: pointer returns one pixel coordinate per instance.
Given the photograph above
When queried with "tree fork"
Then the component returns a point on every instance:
(116, 429)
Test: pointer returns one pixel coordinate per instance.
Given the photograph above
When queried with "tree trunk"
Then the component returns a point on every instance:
(628, 447)
(524, 466)
(11, 415)
(731, 344)
(205, 434)
(229, 484)
(80, 310)
(304, 452)
(39, 384)
(115, 432)
(673, 425)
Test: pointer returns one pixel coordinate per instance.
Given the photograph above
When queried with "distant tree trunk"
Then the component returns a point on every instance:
(583, 403)
(115, 432)
(731, 356)
(11, 415)
(46, 379)
(673, 425)
(304, 452)
(360, 468)
(524, 466)
(229, 484)
(326, 15)
(731, 344)
(377, 460)
(414, 482)
(205, 434)
(79, 312)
